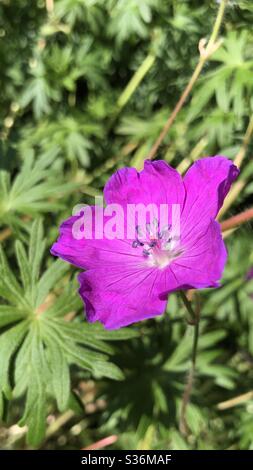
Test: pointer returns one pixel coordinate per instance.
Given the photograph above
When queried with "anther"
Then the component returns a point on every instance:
(165, 232)
(155, 222)
(138, 230)
(137, 243)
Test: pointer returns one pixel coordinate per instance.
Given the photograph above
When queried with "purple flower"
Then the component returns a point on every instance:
(249, 274)
(128, 280)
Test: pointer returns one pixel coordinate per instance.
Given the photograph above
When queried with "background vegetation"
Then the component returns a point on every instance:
(86, 87)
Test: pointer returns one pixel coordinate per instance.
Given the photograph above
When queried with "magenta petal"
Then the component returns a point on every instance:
(120, 297)
(69, 249)
(157, 183)
(123, 187)
(204, 259)
(207, 183)
(91, 253)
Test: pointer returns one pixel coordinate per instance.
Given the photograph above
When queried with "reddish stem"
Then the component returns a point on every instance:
(107, 441)
(236, 220)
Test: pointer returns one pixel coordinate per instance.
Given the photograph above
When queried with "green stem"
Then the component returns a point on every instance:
(245, 143)
(195, 343)
(194, 321)
(131, 87)
(192, 316)
(136, 80)
(217, 24)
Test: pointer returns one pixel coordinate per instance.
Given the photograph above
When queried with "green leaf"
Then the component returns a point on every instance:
(49, 280)
(33, 186)
(75, 403)
(1, 405)
(117, 335)
(9, 342)
(107, 369)
(74, 354)
(23, 366)
(24, 266)
(35, 409)
(67, 302)
(36, 248)
(4, 184)
(36, 419)
(9, 287)
(79, 334)
(211, 338)
(179, 360)
(9, 314)
(60, 374)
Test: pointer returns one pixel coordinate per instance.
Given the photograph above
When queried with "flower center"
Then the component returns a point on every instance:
(159, 247)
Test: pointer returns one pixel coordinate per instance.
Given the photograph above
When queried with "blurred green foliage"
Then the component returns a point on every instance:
(86, 87)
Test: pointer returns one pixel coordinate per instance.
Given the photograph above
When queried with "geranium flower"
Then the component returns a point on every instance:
(128, 280)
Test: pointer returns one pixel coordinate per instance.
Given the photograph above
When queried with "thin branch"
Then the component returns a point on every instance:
(58, 423)
(224, 405)
(107, 441)
(246, 140)
(205, 53)
(194, 155)
(50, 6)
(236, 220)
(240, 184)
(5, 234)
